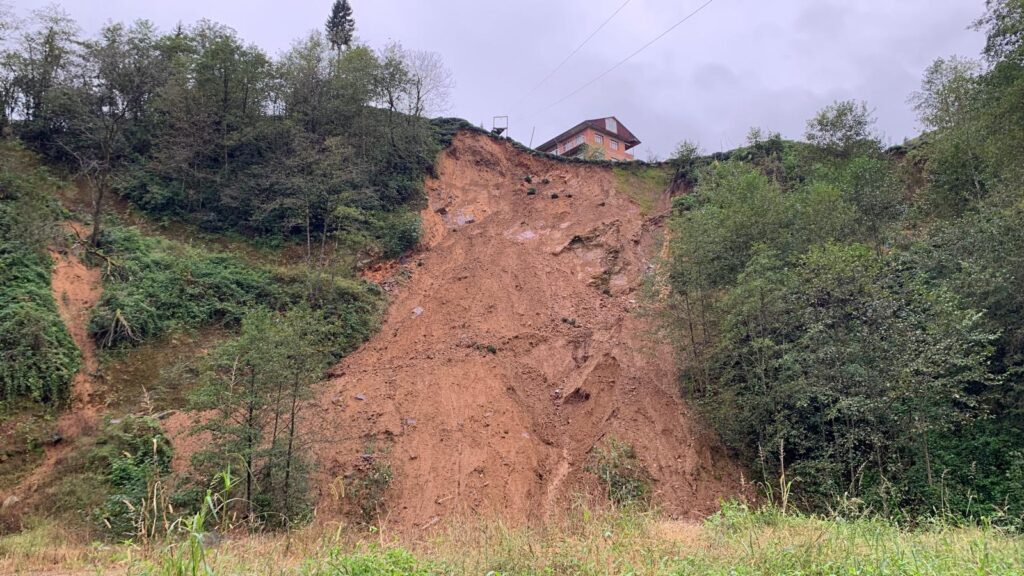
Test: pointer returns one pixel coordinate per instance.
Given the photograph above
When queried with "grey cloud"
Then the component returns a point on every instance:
(739, 63)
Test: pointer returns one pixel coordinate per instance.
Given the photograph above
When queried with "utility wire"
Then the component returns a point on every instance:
(624, 60)
(573, 53)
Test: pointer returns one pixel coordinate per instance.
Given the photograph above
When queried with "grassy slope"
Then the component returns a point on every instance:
(736, 542)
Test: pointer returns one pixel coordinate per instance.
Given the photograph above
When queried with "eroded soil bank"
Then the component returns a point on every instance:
(512, 347)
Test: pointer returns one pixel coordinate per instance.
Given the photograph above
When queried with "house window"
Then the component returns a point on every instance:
(611, 125)
(615, 144)
(579, 140)
(599, 139)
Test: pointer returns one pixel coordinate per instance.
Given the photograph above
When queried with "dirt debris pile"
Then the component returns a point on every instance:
(513, 350)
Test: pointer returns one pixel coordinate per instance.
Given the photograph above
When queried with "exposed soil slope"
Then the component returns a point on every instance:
(513, 349)
(76, 289)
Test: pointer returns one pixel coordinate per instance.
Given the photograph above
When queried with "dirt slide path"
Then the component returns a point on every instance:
(76, 289)
(513, 350)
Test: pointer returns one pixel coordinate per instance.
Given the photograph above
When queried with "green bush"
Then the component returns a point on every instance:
(397, 232)
(617, 467)
(153, 286)
(349, 309)
(131, 454)
(38, 358)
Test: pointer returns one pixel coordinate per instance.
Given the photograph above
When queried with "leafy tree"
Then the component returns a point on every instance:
(1004, 23)
(685, 159)
(256, 384)
(118, 75)
(843, 130)
(45, 54)
(948, 104)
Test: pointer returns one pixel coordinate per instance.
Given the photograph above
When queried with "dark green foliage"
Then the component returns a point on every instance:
(37, 356)
(397, 232)
(340, 25)
(978, 471)
(848, 361)
(348, 310)
(131, 454)
(153, 286)
(833, 328)
(287, 173)
(199, 125)
(39, 359)
(979, 256)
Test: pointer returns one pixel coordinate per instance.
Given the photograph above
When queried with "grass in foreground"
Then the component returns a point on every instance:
(735, 542)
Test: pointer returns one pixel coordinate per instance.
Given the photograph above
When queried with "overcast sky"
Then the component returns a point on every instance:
(736, 64)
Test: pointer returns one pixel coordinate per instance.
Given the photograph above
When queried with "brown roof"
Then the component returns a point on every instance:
(598, 124)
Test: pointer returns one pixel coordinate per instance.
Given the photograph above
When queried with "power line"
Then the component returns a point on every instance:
(624, 60)
(573, 53)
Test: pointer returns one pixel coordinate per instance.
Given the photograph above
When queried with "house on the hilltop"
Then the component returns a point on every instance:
(602, 137)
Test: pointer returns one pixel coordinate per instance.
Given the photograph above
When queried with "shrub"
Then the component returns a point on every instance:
(38, 358)
(616, 466)
(397, 232)
(369, 483)
(349, 309)
(153, 286)
(132, 454)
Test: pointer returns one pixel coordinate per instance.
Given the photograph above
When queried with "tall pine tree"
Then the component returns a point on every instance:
(340, 26)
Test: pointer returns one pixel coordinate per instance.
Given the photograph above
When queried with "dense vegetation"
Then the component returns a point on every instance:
(851, 317)
(326, 142)
(37, 356)
(153, 286)
(320, 152)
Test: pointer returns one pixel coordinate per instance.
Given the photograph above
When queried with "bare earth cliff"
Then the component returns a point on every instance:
(512, 349)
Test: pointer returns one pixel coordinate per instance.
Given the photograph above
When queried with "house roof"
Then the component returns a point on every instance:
(600, 125)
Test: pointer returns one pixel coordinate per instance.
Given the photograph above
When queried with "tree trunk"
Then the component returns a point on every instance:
(97, 213)
(250, 424)
(288, 454)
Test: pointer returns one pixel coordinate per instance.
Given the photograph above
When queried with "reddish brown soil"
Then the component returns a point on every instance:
(513, 350)
(76, 288)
